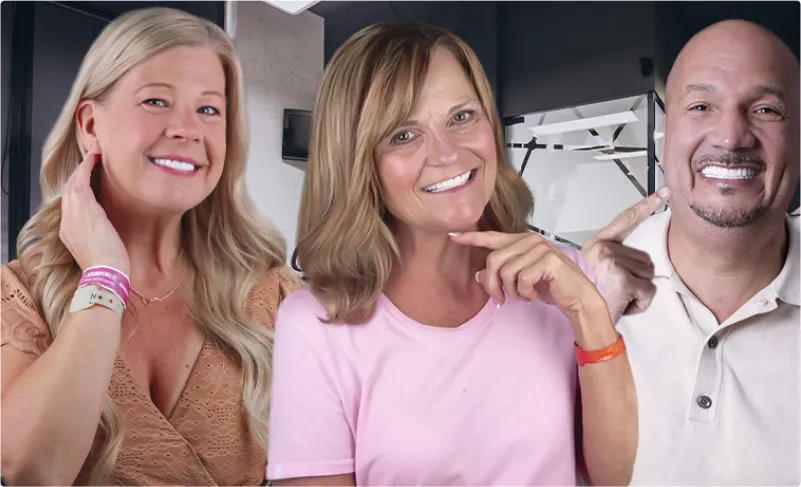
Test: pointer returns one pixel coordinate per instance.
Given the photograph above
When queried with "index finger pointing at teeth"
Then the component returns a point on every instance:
(625, 223)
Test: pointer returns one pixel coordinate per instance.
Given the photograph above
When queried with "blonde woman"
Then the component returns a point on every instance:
(157, 369)
(437, 343)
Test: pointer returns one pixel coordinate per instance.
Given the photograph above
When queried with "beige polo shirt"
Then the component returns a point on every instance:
(718, 403)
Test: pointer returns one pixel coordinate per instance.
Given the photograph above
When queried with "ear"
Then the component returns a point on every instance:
(85, 118)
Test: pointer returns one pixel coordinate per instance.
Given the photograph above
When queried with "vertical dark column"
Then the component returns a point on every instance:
(19, 140)
(651, 143)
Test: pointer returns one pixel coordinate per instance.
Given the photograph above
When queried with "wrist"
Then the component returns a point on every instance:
(592, 326)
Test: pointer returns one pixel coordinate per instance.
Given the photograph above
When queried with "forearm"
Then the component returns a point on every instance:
(609, 406)
(51, 411)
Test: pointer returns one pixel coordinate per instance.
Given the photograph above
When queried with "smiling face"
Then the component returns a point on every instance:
(731, 143)
(437, 171)
(162, 131)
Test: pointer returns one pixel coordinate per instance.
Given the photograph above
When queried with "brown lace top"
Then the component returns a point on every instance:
(205, 441)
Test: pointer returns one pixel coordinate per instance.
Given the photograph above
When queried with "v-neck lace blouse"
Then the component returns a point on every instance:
(205, 440)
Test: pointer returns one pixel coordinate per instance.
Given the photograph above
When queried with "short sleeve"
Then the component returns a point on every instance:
(22, 326)
(310, 434)
(266, 295)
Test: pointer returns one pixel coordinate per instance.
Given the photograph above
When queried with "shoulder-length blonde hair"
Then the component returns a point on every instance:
(345, 248)
(228, 246)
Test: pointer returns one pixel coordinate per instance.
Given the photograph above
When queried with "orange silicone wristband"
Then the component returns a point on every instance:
(594, 356)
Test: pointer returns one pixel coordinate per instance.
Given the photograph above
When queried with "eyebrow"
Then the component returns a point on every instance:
(453, 109)
(169, 86)
(757, 90)
(699, 87)
(769, 90)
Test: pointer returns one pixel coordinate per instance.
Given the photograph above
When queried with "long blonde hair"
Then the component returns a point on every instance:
(370, 87)
(228, 246)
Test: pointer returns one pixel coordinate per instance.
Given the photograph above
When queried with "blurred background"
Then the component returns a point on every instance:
(578, 84)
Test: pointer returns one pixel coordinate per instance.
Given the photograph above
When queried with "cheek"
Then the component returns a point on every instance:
(482, 142)
(397, 175)
(216, 143)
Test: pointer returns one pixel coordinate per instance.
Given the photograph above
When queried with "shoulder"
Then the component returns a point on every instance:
(23, 326)
(650, 233)
(302, 305)
(268, 292)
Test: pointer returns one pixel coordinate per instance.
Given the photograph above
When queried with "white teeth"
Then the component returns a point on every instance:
(718, 172)
(177, 165)
(448, 183)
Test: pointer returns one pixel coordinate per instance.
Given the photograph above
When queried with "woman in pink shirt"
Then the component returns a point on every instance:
(437, 341)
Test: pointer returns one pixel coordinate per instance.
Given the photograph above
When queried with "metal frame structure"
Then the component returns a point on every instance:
(651, 98)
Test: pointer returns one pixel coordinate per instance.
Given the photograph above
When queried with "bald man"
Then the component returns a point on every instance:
(715, 356)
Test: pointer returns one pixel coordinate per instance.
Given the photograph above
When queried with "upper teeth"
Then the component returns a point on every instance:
(448, 183)
(178, 165)
(719, 172)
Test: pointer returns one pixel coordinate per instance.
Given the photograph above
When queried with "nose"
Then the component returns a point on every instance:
(442, 149)
(732, 131)
(184, 125)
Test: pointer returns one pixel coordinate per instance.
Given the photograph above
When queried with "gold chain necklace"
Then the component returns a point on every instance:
(148, 301)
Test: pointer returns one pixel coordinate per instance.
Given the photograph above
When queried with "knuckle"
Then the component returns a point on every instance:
(493, 260)
(605, 250)
(508, 275)
(553, 258)
(630, 215)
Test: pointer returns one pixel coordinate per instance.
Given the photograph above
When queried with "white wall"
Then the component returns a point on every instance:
(576, 195)
(282, 61)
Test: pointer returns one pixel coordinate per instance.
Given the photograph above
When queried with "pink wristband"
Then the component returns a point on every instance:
(108, 277)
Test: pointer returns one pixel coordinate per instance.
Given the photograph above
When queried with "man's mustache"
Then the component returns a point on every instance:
(728, 159)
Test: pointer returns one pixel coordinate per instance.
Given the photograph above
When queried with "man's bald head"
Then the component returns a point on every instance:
(731, 147)
(747, 41)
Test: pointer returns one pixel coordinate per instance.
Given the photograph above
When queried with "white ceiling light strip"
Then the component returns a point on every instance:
(585, 124)
(622, 155)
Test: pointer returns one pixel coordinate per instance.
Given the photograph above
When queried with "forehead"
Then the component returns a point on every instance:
(446, 81)
(180, 64)
(736, 67)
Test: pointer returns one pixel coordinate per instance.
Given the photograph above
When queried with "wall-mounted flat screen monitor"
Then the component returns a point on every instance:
(297, 131)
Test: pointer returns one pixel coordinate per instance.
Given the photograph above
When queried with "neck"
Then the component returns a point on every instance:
(153, 243)
(725, 267)
(432, 263)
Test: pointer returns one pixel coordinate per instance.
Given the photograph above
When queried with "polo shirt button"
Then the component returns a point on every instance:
(704, 402)
(713, 342)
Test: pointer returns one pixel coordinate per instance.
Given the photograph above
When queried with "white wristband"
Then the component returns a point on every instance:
(90, 295)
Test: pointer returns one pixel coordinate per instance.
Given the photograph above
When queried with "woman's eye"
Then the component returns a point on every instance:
(155, 102)
(207, 110)
(401, 137)
(464, 116)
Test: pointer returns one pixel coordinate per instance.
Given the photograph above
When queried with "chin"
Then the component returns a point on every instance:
(461, 223)
(728, 217)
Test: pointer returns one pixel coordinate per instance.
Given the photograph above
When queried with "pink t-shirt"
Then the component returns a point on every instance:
(491, 402)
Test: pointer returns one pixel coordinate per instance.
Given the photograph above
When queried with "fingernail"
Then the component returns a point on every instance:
(664, 192)
(476, 276)
(454, 234)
